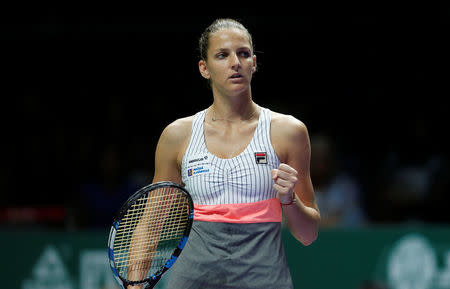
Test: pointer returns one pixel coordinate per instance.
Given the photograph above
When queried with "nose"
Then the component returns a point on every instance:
(235, 62)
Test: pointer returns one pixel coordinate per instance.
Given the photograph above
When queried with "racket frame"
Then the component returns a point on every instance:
(154, 278)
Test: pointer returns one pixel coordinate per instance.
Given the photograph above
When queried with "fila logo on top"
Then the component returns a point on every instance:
(261, 157)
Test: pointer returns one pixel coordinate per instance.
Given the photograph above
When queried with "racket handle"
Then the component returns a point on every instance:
(152, 283)
(150, 286)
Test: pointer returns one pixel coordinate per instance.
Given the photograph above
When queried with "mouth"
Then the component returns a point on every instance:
(236, 75)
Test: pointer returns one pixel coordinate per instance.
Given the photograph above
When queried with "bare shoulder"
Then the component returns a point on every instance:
(175, 136)
(177, 130)
(288, 135)
(287, 126)
(170, 148)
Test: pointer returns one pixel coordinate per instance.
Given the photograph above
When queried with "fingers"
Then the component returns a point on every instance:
(285, 179)
(286, 173)
(282, 190)
(286, 168)
(289, 184)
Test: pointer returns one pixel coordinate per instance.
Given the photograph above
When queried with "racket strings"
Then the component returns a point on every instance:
(172, 224)
(134, 216)
(137, 212)
(155, 226)
(175, 227)
(150, 230)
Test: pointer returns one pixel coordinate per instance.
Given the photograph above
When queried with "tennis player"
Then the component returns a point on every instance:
(244, 166)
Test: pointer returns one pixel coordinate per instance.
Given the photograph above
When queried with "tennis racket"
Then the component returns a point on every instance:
(149, 233)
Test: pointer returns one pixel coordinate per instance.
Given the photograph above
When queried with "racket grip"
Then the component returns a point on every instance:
(150, 286)
(152, 282)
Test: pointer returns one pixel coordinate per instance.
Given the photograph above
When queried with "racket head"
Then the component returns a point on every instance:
(165, 210)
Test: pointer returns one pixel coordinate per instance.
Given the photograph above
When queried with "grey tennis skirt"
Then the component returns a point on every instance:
(232, 256)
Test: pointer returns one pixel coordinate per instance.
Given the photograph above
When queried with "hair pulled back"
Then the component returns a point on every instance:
(221, 23)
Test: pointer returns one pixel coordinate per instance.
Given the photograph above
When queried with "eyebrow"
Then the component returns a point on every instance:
(227, 49)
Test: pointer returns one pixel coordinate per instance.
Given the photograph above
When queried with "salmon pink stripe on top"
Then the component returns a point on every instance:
(258, 212)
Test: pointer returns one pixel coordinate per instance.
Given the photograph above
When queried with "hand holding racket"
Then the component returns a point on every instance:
(149, 233)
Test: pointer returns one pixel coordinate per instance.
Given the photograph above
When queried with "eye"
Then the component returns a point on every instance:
(221, 55)
(245, 54)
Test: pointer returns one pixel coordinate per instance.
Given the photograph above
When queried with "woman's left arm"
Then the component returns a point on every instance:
(292, 179)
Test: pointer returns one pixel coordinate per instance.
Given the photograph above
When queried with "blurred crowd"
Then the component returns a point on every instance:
(90, 98)
(77, 175)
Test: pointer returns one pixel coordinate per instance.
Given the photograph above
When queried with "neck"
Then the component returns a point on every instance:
(244, 112)
(233, 107)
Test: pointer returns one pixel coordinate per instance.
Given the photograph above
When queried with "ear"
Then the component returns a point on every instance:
(254, 64)
(203, 69)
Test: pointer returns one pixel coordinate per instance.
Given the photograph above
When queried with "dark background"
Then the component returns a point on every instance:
(88, 91)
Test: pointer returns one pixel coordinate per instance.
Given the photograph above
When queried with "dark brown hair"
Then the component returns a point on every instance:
(218, 24)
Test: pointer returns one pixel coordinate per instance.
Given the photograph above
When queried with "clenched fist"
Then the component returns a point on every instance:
(285, 178)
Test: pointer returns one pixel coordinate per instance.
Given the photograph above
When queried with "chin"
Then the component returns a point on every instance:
(239, 92)
(239, 88)
(234, 89)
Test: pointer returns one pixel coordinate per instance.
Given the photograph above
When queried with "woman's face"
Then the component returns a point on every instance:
(230, 63)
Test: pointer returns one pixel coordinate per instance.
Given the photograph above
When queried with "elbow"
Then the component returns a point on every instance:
(307, 237)
(308, 240)
(307, 230)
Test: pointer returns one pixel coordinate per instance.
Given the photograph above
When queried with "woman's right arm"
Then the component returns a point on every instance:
(169, 153)
(170, 150)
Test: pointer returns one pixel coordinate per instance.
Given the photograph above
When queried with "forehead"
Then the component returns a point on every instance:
(228, 38)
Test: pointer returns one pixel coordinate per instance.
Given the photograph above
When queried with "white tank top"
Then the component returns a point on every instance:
(245, 178)
(237, 217)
